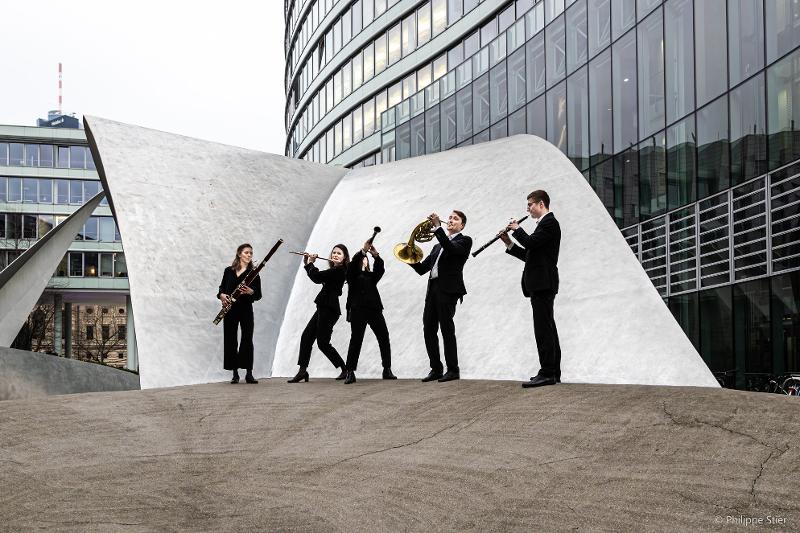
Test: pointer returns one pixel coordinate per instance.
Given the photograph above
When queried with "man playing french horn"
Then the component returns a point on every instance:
(445, 288)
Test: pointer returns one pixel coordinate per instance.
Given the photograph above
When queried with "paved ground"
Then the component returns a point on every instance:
(389, 456)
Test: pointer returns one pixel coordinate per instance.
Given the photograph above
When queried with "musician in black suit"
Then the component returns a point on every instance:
(320, 327)
(241, 314)
(445, 288)
(364, 308)
(540, 250)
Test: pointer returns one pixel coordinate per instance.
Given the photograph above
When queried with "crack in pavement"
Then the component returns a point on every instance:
(696, 421)
(375, 452)
(758, 476)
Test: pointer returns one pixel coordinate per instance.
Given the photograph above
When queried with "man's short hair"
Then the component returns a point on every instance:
(540, 196)
(461, 215)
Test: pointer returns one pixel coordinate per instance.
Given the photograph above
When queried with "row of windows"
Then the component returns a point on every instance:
(92, 265)
(385, 50)
(352, 21)
(49, 191)
(751, 327)
(16, 226)
(80, 264)
(45, 155)
(411, 83)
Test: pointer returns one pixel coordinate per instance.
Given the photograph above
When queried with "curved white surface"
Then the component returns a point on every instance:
(183, 205)
(613, 325)
(24, 280)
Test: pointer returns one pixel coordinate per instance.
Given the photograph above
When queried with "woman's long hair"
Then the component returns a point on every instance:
(238, 262)
(345, 261)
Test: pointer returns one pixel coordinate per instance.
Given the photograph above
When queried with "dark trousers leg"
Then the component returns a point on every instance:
(230, 327)
(325, 324)
(246, 343)
(378, 325)
(357, 327)
(430, 329)
(307, 341)
(544, 328)
(446, 311)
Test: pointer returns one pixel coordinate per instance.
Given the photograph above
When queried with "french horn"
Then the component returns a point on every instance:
(410, 253)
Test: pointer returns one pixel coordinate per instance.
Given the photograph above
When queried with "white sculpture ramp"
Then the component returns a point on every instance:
(24, 280)
(613, 325)
(183, 205)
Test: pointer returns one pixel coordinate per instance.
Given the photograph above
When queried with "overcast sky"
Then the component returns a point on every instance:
(202, 68)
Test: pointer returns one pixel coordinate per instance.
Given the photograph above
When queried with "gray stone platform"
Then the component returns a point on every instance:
(389, 456)
(26, 374)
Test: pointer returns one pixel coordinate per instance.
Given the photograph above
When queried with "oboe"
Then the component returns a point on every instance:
(485, 246)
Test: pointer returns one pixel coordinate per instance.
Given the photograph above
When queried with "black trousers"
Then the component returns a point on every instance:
(440, 308)
(240, 314)
(320, 328)
(359, 320)
(544, 328)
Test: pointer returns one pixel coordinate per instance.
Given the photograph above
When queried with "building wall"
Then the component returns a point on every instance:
(689, 143)
(45, 175)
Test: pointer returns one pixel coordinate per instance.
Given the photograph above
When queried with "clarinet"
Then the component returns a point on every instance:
(485, 246)
(245, 284)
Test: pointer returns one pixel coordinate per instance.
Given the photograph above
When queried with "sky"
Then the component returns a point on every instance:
(201, 68)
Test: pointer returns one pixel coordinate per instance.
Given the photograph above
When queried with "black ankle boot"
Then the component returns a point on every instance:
(350, 377)
(248, 378)
(342, 375)
(387, 373)
(302, 375)
(235, 378)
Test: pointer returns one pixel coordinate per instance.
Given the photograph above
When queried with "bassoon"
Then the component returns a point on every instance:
(245, 284)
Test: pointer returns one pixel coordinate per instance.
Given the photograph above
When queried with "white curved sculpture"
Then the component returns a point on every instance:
(173, 199)
(613, 325)
(24, 280)
(183, 206)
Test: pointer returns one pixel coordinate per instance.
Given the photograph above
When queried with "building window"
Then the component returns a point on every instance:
(624, 92)
(748, 130)
(679, 42)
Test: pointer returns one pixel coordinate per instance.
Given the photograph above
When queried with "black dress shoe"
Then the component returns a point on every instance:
(449, 376)
(433, 376)
(558, 378)
(350, 378)
(235, 379)
(342, 375)
(539, 381)
(301, 376)
(387, 374)
(250, 379)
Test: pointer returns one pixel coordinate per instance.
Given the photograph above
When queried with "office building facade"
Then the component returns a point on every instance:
(681, 115)
(46, 174)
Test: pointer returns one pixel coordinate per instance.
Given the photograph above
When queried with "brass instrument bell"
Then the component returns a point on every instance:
(410, 253)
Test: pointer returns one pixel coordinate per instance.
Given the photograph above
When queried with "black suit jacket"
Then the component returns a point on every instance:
(451, 265)
(363, 285)
(539, 250)
(230, 281)
(332, 281)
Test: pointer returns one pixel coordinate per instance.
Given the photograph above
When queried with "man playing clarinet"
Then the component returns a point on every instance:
(540, 250)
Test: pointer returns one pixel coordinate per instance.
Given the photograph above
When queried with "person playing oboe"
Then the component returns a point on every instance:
(320, 327)
(364, 308)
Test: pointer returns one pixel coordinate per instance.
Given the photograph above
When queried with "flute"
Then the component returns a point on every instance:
(482, 248)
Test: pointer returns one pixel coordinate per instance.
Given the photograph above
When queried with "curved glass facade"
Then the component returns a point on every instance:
(691, 144)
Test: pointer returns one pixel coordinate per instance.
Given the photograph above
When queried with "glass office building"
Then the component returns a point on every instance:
(679, 113)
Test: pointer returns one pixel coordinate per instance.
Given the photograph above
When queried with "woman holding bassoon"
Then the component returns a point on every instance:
(320, 327)
(241, 314)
